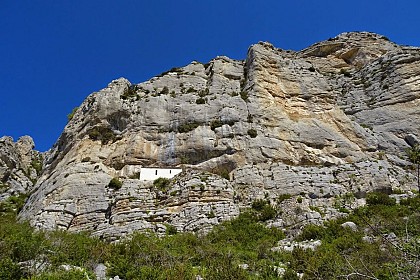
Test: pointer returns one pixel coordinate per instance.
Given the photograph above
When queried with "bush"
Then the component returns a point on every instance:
(378, 198)
(201, 100)
(18, 243)
(250, 118)
(252, 132)
(211, 215)
(244, 96)
(267, 213)
(162, 183)
(171, 230)
(165, 90)
(218, 254)
(187, 127)
(215, 124)
(258, 204)
(290, 274)
(61, 274)
(13, 204)
(104, 134)
(37, 164)
(265, 210)
(222, 171)
(76, 249)
(203, 92)
(283, 197)
(311, 232)
(412, 202)
(9, 269)
(244, 233)
(71, 115)
(218, 123)
(130, 92)
(115, 183)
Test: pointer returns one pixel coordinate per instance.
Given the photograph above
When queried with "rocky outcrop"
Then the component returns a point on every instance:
(192, 202)
(20, 166)
(318, 124)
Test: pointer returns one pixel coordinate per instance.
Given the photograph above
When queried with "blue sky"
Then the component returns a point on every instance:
(54, 53)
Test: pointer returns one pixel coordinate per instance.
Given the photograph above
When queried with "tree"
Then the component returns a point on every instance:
(413, 154)
(70, 116)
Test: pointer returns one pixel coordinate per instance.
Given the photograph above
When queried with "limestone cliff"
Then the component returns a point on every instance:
(329, 120)
(20, 166)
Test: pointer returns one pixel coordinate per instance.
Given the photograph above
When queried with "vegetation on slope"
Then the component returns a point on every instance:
(385, 246)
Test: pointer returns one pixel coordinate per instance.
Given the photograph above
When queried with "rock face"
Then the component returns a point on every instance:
(320, 123)
(20, 166)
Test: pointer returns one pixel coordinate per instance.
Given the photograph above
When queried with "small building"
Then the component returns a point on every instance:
(150, 173)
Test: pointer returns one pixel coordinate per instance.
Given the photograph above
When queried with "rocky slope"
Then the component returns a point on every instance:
(20, 166)
(317, 124)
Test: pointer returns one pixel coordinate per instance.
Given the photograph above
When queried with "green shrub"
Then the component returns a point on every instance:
(378, 198)
(218, 123)
(191, 89)
(165, 90)
(244, 233)
(201, 100)
(252, 132)
(203, 93)
(265, 210)
(290, 274)
(412, 202)
(244, 96)
(222, 171)
(77, 249)
(211, 215)
(250, 118)
(3, 187)
(267, 213)
(311, 231)
(185, 159)
(187, 127)
(283, 197)
(317, 209)
(173, 70)
(10, 269)
(71, 115)
(13, 204)
(215, 124)
(18, 241)
(61, 274)
(115, 183)
(162, 183)
(171, 230)
(258, 204)
(104, 134)
(225, 268)
(130, 92)
(217, 255)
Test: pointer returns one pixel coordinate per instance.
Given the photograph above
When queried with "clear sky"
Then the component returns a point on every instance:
(54, 53)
